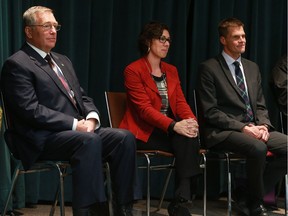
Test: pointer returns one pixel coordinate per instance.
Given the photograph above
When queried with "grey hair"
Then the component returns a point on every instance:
(29, 17)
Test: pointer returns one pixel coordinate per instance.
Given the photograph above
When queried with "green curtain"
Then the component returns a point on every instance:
(100, 37)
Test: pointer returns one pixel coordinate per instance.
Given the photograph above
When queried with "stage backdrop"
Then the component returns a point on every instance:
(100, 37)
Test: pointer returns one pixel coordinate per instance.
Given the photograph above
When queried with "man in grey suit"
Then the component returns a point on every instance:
(53, 119)
(235, 115)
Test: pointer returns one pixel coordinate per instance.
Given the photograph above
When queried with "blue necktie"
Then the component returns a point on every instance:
(241, 85)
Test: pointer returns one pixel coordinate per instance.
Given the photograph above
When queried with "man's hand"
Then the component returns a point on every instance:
(259, 132)
(86, 126)
(81, 126)
(264, 133)
(91, 124)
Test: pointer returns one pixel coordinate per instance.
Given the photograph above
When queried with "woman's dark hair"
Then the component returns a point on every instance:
(152, 30)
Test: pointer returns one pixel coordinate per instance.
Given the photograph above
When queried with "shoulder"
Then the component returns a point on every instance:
(211, 64)
(249, 65)
(139, 63)
(169, 67)
(248, 62)
(213, 61)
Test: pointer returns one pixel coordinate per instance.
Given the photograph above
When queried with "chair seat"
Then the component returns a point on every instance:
(155, 153)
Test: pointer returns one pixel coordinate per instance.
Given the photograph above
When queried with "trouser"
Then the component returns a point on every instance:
(262, 175)
(86, 153)
(186, 152)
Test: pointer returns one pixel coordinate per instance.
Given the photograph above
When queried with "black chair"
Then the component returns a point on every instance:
(116, 106)
(39, 166)
(228, 157)
(44, 166)
(208, 154)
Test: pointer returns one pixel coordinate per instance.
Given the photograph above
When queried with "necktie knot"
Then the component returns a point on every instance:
(236, 63)
(49, 60)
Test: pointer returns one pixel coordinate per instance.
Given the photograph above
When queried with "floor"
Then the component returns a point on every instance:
(214, 208)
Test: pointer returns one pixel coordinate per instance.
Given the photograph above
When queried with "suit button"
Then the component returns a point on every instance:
(244, 111)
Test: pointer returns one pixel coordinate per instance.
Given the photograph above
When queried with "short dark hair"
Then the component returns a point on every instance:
(152, 30)
(226, 23)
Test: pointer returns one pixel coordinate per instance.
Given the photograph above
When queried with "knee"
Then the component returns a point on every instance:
(92, 144)
(128, 142)
(259, 149)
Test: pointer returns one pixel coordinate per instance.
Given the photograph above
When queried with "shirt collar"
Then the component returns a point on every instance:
(229, 60)
(39, 51)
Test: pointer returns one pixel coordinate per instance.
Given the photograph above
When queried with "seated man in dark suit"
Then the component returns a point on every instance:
(54, 119)
(235, 115)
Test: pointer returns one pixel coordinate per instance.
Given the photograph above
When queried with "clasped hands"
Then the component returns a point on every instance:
(86, 125)
(187, 127)
(257, 131)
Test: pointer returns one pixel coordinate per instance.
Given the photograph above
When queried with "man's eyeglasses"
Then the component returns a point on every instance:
(47, 26)
(163, 39)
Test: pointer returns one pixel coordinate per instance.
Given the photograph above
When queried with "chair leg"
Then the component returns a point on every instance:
(204, 166)
(286, 194)
(165, 185)
(53, 207)
(148, 185)
(14, 179)
(62, 172)
(229, 185)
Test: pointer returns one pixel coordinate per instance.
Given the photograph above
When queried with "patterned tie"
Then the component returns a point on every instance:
(241, 85)
(61, 77)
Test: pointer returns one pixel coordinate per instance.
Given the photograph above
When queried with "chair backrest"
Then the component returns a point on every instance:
(198, 111)
(116, 103)
(8, 125)
(6, 119)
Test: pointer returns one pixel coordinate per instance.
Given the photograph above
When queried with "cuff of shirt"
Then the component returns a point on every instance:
(94, 115)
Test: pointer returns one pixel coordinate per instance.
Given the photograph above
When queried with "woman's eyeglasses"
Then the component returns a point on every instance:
(163, 39)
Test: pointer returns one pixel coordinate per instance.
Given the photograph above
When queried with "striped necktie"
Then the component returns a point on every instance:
(61, 77)
(241, 85)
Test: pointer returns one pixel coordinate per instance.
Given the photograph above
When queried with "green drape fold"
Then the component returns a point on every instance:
(100, 38)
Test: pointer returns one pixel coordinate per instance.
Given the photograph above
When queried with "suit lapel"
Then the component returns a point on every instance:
(248, 78)
(44, 66)
(147, 75)
(67, 76)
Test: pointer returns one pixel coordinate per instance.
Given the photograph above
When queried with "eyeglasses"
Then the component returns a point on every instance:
(163, 39)
(48, 26)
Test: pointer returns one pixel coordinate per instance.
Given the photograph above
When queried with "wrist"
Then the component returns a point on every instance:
(171, 127)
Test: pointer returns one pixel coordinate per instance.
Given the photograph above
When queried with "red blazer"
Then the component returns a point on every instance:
(144, 101)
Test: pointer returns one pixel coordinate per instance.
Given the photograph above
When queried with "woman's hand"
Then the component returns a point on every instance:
(187, 127)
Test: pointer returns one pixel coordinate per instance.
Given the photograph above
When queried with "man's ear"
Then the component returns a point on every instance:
(28, 31)
(222, 40)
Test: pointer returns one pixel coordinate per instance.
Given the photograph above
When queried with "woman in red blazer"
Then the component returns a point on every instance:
(158, 114)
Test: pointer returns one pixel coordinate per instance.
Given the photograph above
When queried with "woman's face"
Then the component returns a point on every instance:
(159, 47)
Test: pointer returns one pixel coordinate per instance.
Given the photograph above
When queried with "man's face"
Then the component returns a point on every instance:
(235, 41)
(43, 34)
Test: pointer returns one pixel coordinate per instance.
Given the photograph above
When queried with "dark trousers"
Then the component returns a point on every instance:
(262, 175)
(186, 152)
(86, 153)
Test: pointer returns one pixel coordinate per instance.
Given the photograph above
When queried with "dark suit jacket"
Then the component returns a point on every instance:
(144, 101)
(222, 105)
(38, 101)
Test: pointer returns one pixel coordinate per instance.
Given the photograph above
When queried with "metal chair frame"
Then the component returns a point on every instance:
(44, 166)
(39, 166)
(228, 157)
(116, 106)
(225, 156)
